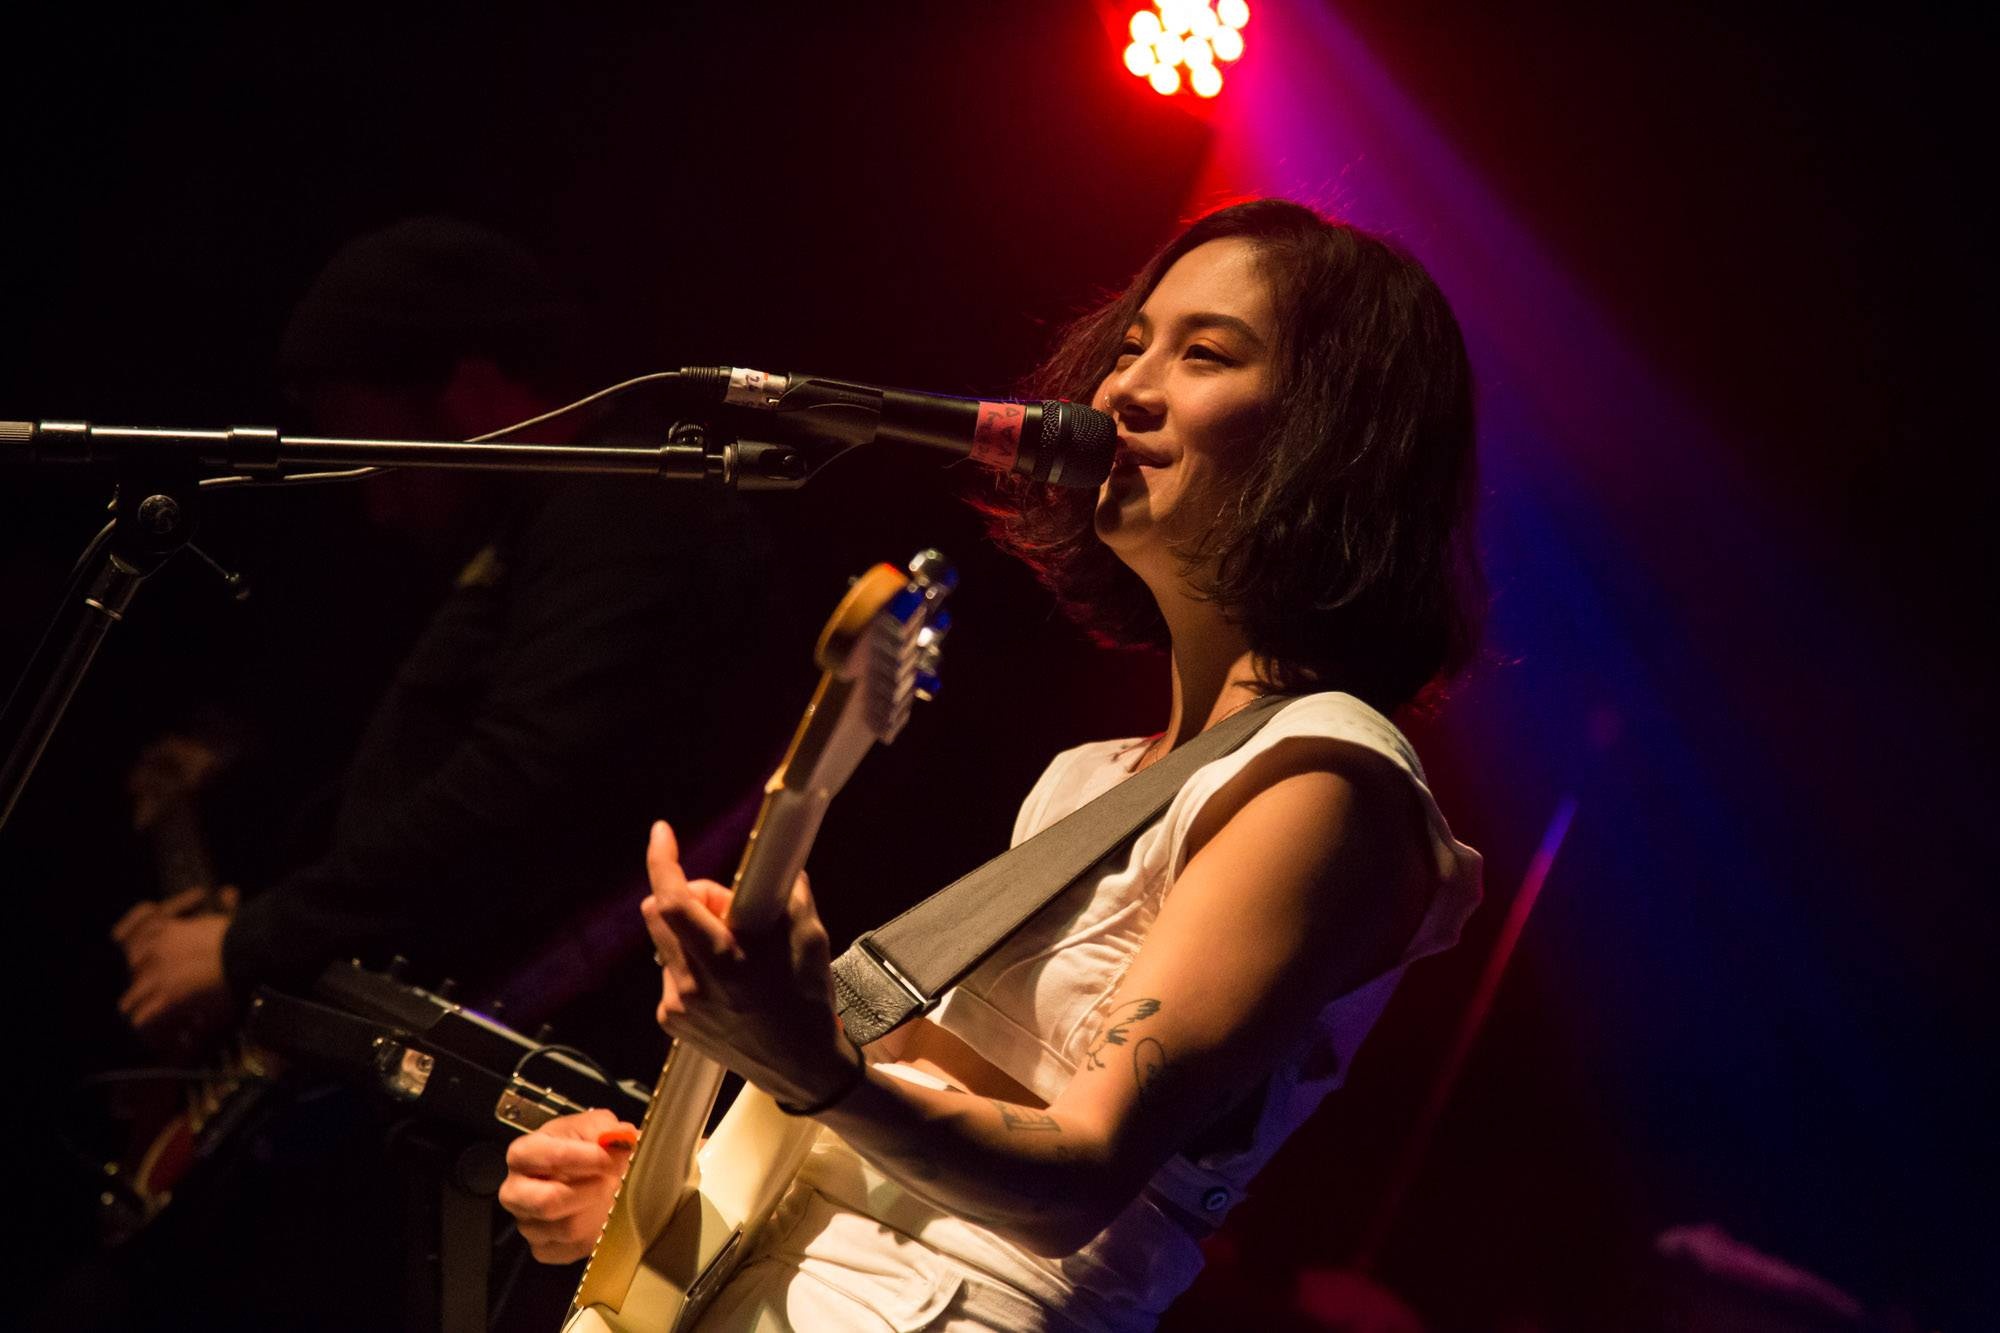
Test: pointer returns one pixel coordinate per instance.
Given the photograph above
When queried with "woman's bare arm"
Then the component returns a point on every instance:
(1306, 878)
(1309, 878)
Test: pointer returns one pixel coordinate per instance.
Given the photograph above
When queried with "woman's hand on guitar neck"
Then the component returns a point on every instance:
(561, 1180)
(760, 1004)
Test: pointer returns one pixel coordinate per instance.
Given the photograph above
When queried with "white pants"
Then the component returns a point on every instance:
(826, 1268)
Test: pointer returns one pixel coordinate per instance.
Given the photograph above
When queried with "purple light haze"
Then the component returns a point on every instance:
(1680, 656)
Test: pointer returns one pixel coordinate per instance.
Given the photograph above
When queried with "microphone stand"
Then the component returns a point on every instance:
(159, 472)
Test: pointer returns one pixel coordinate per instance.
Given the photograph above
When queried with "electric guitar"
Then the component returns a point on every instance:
(175, 1124)
(682, 1219)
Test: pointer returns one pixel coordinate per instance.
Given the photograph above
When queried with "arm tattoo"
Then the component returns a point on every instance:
(1026, 1118)
(1115, 1028)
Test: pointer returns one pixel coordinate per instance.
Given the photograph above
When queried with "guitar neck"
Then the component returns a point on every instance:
(668, 1239)
(180, 852)
(795, 801)
(774, 857)
(658, 1176)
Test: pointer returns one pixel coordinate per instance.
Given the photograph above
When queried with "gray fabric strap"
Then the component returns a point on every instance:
(897, 971)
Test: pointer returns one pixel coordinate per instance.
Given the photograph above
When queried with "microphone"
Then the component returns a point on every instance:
(1058, 443)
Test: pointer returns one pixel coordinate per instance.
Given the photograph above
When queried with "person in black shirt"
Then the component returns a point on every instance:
(590, 666)
(575, 679)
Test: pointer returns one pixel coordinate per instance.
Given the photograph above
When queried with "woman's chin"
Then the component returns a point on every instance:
(1124, 503)
(1120, 521)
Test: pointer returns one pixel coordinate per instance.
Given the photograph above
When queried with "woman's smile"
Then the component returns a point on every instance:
(1190, 391)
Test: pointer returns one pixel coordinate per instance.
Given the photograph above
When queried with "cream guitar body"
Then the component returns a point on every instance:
(683, 1219)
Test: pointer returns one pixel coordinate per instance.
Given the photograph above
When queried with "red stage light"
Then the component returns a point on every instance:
(1190, 35)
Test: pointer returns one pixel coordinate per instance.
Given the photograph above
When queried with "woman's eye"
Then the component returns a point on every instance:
(1204, 353)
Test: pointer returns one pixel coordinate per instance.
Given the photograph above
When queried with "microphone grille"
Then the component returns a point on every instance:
(1079, 443)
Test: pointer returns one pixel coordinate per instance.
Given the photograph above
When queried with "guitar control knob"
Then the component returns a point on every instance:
(545, 1034)
(448, 989)
(399, 966)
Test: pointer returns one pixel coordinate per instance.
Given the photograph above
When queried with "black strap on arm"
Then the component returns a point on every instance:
(896, 972)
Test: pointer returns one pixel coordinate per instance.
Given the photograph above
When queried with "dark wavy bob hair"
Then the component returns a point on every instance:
(1347, 556)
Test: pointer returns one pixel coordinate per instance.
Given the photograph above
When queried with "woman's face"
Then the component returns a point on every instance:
(1191, 393)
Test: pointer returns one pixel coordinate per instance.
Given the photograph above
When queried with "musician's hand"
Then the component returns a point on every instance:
(174, 951)
(560, 1180)
(761, 1005)
(143, 918)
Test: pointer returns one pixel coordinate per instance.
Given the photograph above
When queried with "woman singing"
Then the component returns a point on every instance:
(1287, 514)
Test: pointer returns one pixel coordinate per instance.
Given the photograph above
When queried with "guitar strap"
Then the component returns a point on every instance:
(897, 971)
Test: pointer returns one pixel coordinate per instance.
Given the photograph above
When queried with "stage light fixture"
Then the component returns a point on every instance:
(1190, 35)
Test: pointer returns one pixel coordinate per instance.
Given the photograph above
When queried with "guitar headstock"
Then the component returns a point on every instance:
(879, 653)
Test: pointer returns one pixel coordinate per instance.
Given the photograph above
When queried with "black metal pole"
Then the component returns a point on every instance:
(159, 472)
(254, 452)
(152, 520)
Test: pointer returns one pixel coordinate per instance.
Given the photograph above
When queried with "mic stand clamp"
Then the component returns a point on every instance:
(152, 519)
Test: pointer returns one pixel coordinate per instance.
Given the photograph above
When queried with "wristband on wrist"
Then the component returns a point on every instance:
(839, 1094)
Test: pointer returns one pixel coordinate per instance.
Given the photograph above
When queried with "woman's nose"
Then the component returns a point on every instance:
(1134, 389)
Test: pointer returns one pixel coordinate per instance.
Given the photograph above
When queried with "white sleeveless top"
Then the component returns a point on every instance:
(1034, 1006)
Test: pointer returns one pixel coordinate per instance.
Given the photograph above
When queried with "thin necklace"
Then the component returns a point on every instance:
(1146, 754)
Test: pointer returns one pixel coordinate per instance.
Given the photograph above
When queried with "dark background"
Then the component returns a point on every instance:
(1759, 988)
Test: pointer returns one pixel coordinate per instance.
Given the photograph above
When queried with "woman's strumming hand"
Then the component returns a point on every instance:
(561, 1179)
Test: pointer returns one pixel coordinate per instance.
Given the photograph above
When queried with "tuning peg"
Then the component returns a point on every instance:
(931, 569)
